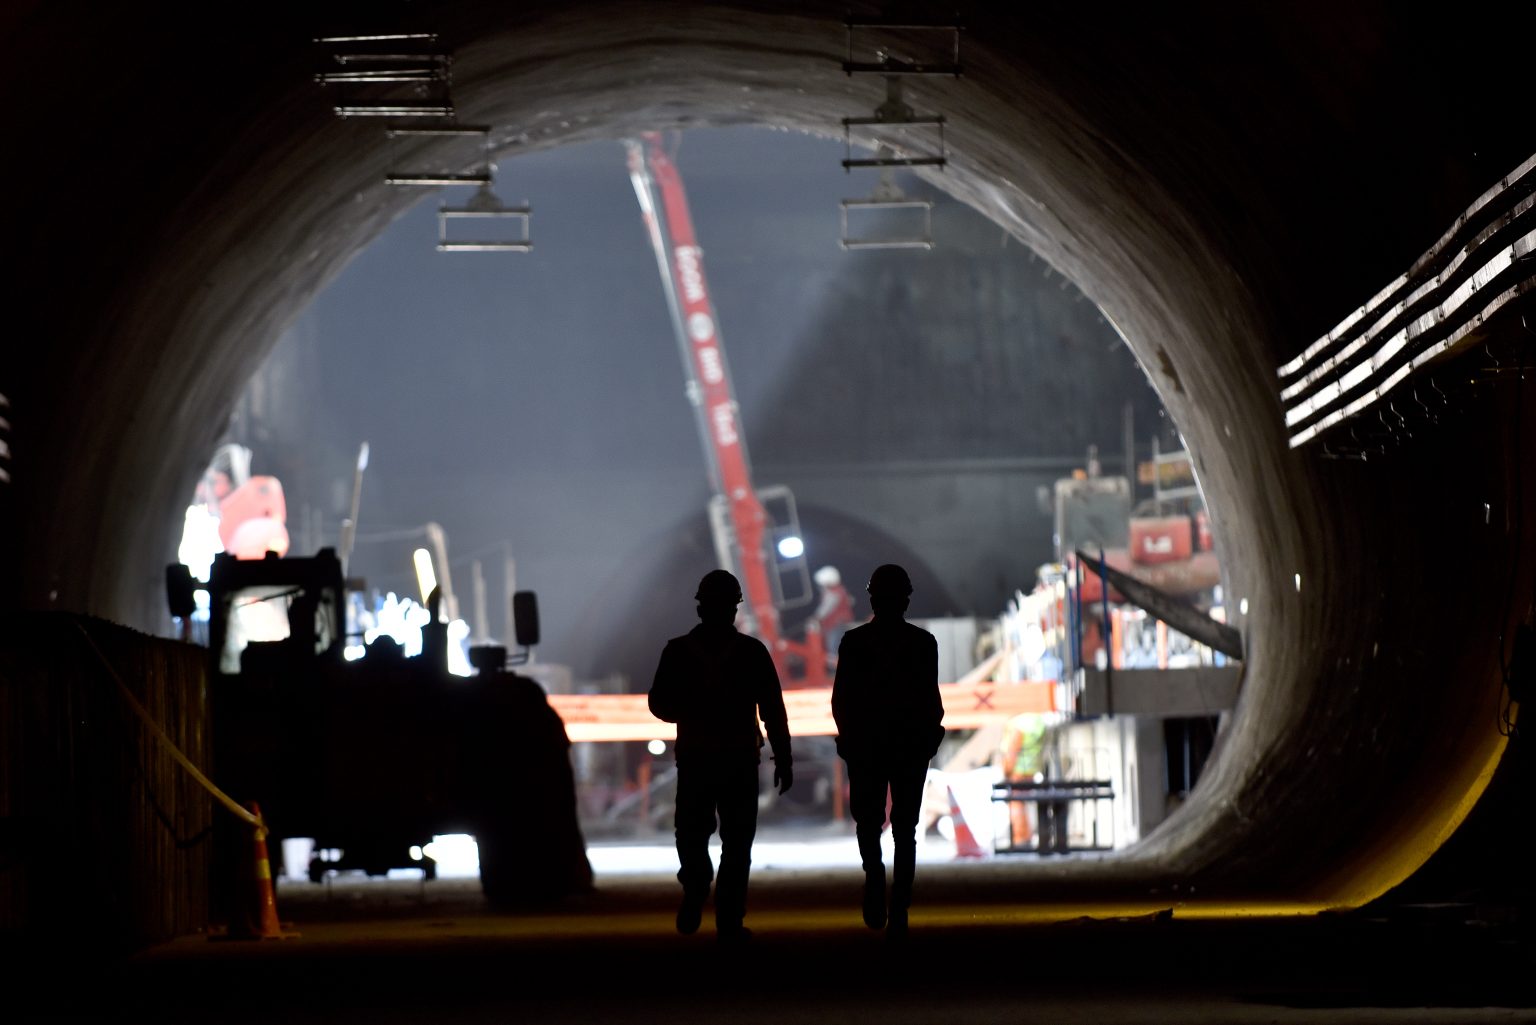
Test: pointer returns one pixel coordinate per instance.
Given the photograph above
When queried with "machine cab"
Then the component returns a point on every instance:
(294, 604)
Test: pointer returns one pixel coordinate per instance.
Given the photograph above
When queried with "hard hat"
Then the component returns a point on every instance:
(890, 579)
(828, 576)
(719, 585)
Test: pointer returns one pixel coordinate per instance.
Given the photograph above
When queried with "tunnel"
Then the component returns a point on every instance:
(1227, 185)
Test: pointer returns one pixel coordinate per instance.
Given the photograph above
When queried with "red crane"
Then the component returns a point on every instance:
(664, 206)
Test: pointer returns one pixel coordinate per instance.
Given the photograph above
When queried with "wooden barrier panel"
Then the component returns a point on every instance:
(109, 834)
(605, 717)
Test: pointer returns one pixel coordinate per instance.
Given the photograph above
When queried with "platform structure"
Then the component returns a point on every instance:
(1054, 801)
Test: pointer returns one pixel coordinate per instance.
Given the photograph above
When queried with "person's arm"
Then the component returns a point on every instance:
(770, 708)
(665, 694)
(841, 687)
(931, 685)
(843, 695)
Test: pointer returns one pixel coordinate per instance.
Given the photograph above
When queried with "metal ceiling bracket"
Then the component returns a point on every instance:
(886, 197)
(453, 166)
(486, 208)
(900, 46)
(902, 137)
(387, 75)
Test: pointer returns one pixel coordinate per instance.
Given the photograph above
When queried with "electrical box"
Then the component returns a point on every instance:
(1092, 513)
(1156, 539)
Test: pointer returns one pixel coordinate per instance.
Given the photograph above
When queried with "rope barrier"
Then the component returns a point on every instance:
(175, 752)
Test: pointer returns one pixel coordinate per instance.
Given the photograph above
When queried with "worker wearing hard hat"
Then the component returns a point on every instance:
(889, 715)
(835, 610)
(716, 683)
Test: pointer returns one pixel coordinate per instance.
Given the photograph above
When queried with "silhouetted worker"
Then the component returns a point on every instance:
(715, 683)
(885, 700)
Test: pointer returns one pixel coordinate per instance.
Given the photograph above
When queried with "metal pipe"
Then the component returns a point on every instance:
(439, 541)
(1109, 656)
(477, 580)
(349, 528)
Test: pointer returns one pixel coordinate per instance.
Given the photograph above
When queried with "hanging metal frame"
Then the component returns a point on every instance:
(403, 74)
(896, 130)
(887, 196)
(483, 206)
(481, 173)
(887, 62)
(895, 113)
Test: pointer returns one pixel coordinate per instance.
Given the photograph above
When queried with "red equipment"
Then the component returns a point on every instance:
(664, 206)
(1158, 539)
(253, 518)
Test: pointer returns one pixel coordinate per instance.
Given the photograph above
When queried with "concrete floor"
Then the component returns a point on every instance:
(401, 950)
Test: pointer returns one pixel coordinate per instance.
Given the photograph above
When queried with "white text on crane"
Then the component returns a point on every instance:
(711, 365)
(725, 424)
(688, 269)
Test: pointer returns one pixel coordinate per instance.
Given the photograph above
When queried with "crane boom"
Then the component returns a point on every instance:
(664, 205)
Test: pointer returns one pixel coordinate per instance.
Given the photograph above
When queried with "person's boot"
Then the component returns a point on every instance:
(896, 928)
(731, 932)
(691, 912)
(874, 897)
(901, 891)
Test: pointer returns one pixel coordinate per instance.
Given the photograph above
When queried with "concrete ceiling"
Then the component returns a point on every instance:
(1224, 184)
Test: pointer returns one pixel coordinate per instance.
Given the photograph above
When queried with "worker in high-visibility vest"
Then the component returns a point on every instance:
(1021, 755)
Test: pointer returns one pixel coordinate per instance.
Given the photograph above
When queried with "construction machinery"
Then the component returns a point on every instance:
(756, 530)
(372, 758)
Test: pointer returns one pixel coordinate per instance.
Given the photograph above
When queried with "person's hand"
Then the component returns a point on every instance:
(783, 777)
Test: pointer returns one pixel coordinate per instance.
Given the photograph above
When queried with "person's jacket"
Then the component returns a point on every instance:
(885, 697)
(715, 683)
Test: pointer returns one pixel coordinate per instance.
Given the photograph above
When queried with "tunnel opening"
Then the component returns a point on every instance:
(943, 395)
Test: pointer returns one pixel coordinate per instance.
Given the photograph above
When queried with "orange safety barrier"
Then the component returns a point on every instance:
(967, 706)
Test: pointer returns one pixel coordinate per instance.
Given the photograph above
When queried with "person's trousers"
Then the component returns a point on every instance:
(869, 780)
(706, 791)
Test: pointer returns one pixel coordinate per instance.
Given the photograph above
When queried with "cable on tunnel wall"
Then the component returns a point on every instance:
(175, 752)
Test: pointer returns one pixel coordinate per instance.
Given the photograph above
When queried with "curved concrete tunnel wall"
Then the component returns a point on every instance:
(1365, 723)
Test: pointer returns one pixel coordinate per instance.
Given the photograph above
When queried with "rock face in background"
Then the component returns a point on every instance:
(913, 401)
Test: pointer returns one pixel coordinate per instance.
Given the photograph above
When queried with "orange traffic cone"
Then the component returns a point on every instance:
(259, 922)
(965, 841)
